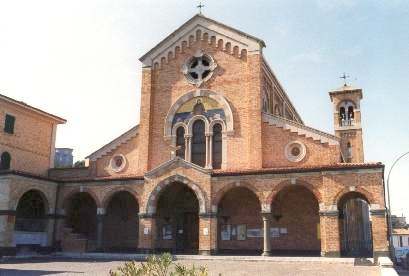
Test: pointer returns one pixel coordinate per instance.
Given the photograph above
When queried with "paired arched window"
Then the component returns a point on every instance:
(346, 114)
(180, 142)
(5, 161)
(199, 143)
(217, 146)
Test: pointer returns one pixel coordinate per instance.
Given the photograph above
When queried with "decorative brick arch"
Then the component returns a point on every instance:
(111, 193)
(37, 189)
(283, 185)
(359, 190)
(83, 190)
(226, 188)
(153, 197)
(199, 93)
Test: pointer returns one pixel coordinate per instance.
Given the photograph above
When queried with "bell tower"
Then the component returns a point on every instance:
(347, 122)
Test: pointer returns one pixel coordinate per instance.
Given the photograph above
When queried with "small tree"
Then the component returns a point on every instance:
(158, 266)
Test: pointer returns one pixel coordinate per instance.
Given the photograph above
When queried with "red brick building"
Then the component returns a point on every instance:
(220, 162)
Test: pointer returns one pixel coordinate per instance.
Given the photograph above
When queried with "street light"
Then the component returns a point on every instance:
(389, 201)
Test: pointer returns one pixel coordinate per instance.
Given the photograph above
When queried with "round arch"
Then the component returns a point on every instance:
(108, 196)
(193, 120)
(281, 186)
(153, 197)
(358, 190)
(73, 192)
(199, 93)
(223, 191)
(41, 192)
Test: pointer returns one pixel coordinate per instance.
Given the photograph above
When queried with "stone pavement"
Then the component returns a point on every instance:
(69, 266)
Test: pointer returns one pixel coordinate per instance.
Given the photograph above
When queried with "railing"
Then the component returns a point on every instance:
(347, 122)
(31, 225)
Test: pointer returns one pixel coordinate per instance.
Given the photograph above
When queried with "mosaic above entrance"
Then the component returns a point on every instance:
(205, 106)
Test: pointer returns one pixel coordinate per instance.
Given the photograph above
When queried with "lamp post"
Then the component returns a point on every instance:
(389, 202)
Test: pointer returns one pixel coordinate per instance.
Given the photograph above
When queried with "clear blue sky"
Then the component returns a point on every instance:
(79, 59)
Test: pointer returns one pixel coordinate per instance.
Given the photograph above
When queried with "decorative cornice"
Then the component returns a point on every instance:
(176, 162)
(301, 129)
(203, 24)
(114, 143)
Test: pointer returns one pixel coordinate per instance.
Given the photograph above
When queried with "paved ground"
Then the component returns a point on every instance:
(40, 267)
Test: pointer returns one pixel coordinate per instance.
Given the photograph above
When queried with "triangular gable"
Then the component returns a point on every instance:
(205, 25)
(114, 143)
(174, 163)
(301, 129)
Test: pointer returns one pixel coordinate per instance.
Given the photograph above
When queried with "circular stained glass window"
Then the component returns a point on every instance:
(118, 163)
(199, 68)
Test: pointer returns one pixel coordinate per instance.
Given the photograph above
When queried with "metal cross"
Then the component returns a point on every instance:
(200, 6)
(344, 76)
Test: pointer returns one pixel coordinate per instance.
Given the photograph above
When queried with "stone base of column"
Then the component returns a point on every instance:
(205, 252)
(266, 254)
(331, 254)
(378, 254)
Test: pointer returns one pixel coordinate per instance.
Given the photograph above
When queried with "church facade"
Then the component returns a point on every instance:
(220, 163)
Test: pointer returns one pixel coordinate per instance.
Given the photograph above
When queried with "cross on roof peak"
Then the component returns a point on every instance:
(345, 77)
(200, 6)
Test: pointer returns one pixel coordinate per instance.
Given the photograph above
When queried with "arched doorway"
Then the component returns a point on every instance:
(177, 219)
(294, 228)
(81, 221)
(121, 223)
(31, 212)
(239, 222)
(355, 225)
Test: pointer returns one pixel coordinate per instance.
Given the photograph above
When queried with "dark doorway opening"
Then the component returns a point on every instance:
(355, 226)
(121, 223)
(178, 220)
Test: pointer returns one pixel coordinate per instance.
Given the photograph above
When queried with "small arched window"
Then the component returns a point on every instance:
(217, 146)
(180, 142)
(350, 112)
(349, 152)
(199, 143)
(5, 161)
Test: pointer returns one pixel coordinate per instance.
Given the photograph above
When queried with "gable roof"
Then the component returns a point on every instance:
(123, 138)
(301, 129)
(206, 25)
(32, 108)
(172, 163)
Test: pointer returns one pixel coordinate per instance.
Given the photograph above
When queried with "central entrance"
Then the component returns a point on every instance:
(178, 220)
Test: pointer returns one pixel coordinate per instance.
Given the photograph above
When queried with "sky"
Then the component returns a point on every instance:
(79, 60)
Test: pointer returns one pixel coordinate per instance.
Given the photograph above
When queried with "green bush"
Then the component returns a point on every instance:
(158, 266)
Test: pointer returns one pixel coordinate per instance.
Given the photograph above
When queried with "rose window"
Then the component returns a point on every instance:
(199, 68)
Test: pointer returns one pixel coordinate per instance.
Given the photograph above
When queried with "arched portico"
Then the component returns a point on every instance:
(153, 197)
(355, 225)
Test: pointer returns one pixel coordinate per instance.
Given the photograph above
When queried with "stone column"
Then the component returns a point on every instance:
(147, 233)
(329, 234)
(7, 222)
(188, 146)
(266, 234)
(207, 234)
(379, 234)
(208, 151)
(100, 228)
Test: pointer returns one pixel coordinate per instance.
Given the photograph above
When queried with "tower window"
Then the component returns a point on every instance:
(9, 124)
(346, 114)
(180, 142)
(5, 161)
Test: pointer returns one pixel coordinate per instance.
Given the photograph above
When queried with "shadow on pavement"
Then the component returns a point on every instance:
(18, 272)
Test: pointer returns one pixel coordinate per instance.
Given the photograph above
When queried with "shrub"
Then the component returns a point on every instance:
(158, 266)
